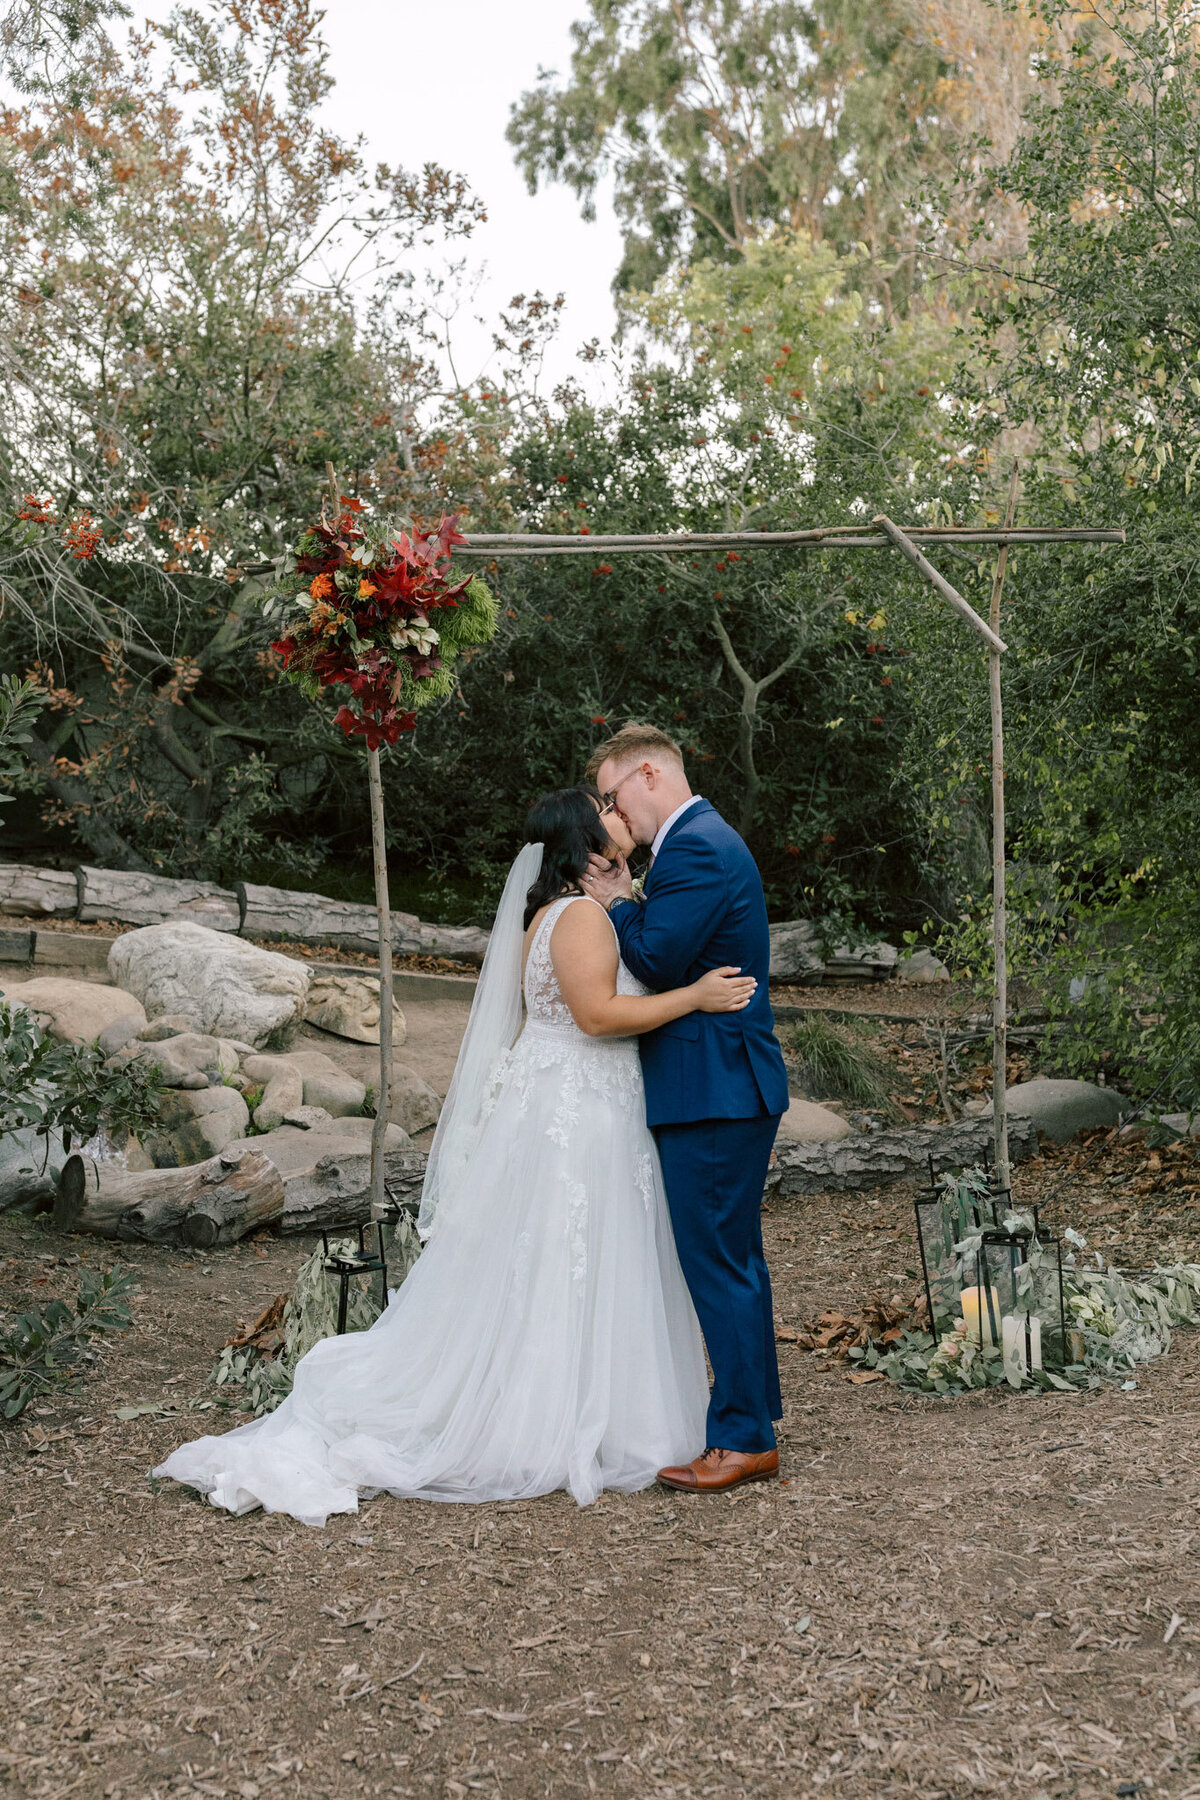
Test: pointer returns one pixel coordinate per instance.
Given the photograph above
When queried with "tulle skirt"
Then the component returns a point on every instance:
(544, 1339)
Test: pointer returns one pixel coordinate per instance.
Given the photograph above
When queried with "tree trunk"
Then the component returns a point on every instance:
(213, 1202)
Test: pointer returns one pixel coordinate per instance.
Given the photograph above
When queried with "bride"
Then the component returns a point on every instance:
(544, 1339)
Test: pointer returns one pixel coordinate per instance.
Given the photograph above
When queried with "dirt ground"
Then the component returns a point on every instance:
(995, 1594)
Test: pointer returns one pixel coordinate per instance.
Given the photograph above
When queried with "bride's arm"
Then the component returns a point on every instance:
(584, 953)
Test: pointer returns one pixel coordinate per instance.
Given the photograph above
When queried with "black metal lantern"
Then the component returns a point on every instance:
(1018, 1303)
(396, 1212)
(946, 1215)
(1008, 1291)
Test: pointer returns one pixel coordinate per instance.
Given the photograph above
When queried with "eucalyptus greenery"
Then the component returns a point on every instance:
(51, 1346)
(310, 1315)
(1114, 1321)
(68, 1088)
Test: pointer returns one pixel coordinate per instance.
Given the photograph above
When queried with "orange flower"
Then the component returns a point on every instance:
(366, 589)
(321, 587)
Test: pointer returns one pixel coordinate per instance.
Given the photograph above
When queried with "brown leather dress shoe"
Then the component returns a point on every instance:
(717, 1470)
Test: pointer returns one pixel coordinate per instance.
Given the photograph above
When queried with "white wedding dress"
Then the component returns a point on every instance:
(544, 1338)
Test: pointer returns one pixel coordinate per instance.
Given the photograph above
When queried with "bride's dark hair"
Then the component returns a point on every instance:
(571, 829)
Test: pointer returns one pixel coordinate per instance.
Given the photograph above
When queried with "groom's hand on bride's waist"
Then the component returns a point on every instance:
(607, 881)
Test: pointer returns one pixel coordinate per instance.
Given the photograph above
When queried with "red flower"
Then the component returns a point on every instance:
(599, 719)
(793, 849)
(37, 511)
(563, 479)
(376, 731)
(585, 531)
(602, 569)
(732, 556)
(877, 719)
(83, 536)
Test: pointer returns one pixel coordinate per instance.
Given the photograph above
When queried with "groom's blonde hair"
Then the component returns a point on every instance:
(633, 740)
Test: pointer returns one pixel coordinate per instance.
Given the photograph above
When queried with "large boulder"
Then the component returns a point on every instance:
(348, 1007)
(228, 987)
(30, 1167)
(282, 1093)
(920, 968)
(194, 1125)
(291, 1147)
(805, 1122)
(324, 1084)
(75, 1012)
(159, 1060)
(1059, 1109)
(412, 1103)
(796, 953)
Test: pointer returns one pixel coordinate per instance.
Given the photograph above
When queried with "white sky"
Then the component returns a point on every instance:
(434, 84)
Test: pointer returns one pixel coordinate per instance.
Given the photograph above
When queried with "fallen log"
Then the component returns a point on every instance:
(280, 913)
(875, 1158)
(335, 1190)
(213, 1202)
(26, 892)
(133, 899)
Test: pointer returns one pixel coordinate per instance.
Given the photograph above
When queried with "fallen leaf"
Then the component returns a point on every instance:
(865, 1375)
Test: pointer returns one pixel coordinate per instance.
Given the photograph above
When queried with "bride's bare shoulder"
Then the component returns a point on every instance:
(581, 925)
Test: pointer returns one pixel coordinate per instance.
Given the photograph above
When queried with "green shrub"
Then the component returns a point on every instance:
(833, 1063)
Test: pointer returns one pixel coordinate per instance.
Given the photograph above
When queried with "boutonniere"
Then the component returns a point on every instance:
(639, 888)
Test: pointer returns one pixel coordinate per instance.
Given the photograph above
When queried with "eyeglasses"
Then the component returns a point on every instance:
(609, 800)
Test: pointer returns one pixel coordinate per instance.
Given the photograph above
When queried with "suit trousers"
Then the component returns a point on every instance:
(714, 1172)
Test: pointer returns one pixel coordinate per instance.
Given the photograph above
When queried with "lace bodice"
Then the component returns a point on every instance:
(543, 996)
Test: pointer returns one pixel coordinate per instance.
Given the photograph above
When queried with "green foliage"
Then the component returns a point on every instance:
(1089, 347)
(67, 1088)
(1123, 1321)
(20, 704)
(51, 1346)
(833, 1063)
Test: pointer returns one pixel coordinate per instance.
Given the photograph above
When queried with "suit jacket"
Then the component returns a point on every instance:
(703, 909)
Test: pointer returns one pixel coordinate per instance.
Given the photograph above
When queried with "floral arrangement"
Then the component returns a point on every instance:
(359, 606)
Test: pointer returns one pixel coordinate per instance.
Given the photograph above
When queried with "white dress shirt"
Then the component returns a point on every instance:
(666, 825)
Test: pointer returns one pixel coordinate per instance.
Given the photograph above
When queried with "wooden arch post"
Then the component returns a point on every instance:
(383, 913)
(996, 647)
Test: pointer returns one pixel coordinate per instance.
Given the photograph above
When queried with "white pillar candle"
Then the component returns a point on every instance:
(1015, 1362)
(982, 1324)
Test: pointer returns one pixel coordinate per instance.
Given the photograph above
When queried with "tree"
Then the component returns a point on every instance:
(181, 349)
(721, 120)
(1089, 345)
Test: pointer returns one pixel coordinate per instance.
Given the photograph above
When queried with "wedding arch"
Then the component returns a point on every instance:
(880, 534)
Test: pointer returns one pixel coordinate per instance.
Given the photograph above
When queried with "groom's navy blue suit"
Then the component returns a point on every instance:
(715, 1089)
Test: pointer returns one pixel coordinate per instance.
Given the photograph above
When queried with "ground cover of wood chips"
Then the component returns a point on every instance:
(989, 1595)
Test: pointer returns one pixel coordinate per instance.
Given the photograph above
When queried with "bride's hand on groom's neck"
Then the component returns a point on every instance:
(607, 881)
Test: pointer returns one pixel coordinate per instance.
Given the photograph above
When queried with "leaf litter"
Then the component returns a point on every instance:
(990, 1594)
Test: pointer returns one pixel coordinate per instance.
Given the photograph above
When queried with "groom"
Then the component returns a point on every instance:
(715, 1082)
